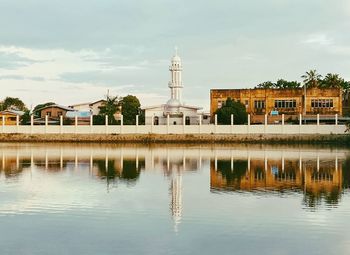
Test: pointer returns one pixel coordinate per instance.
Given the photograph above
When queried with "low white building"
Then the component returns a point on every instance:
(174, 111)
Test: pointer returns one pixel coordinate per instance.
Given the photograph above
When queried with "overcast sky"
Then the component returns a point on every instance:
(73, 51)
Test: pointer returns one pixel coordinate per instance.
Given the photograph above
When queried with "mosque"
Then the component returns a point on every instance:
(175, 112)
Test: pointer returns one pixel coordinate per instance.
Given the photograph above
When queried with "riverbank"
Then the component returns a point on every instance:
(343, 140)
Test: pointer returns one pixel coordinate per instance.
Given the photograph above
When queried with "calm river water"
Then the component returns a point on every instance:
(103, 199)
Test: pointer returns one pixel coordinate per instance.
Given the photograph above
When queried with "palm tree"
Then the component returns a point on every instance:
(311, 79)
(332, 81)
(110, 107)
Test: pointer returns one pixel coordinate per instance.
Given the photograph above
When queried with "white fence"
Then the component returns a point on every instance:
(175, 129)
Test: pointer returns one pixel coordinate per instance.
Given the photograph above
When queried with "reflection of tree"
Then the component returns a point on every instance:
(314, 199)
(112, 169)
(233, 175)
(346, 173)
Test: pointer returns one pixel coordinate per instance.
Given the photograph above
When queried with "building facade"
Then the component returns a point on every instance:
(174, 111)
(9, 117)
(290, 102)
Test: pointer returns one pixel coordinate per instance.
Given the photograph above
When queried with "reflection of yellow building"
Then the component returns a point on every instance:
(278, 175)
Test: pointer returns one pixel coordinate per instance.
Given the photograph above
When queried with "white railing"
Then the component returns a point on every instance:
(265, 128)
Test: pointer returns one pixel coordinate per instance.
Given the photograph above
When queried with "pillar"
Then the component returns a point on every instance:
(17, 120)
(31, 123)
(137, 120)
(183, 120)
(61, 124)
(168, 120)
(121, 120)
(336, 119)
(265, 119)
(300, 119)
(216, 119)
(248, 119)
(91, 120)
(76, 120)
(231, 119)
(282, 119)
(106, 120)
(3, 121)
(46, 122)
(200, 120)
(318, 119)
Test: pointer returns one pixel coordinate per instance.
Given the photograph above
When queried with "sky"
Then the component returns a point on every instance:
(74, 51)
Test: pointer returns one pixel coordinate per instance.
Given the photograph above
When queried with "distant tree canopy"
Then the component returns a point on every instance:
(311, 79)
(13, 103)
(110, 107)
(130, 108)
(238, 110)
(280, 84)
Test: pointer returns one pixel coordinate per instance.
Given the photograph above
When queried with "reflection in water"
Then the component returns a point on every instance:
(321, 175)
(319, 180)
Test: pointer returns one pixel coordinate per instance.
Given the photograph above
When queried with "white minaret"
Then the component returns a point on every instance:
(175, 84)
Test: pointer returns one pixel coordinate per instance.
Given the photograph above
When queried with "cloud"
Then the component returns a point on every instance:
(320, 39)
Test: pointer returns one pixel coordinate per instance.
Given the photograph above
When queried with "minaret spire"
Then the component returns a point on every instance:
(175, 84)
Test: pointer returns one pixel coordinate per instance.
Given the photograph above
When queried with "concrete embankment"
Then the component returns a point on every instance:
(342, 140)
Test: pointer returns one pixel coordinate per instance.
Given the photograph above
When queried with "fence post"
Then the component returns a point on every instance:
(106, 124)
(336, 119)
(121, 123)
(152, 123)
(46, 123)
(216, 119)
(167, 122)
(3, 123)
(265, 123)
(17, 122)
(300, 119)
(200, 123)
(61, 124)
(31, 123)
(137, 123)
(318, 119)
(248, 126)
(231, 119)
(282, 119)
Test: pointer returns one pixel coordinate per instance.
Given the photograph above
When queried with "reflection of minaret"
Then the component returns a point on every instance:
(176, 200)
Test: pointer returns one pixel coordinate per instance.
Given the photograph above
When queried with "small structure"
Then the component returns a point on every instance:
(54, 111)
(174, 112)
(10, 117)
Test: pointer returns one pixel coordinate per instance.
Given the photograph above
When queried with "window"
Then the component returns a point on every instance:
(48, 114)
(288, 103)
(259, 104)
(220, 104)
(322, 103)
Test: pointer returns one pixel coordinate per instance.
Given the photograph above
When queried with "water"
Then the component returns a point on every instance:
(103, 199)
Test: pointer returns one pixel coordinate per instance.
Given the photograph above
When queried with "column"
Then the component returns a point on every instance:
(17, 123)
(216, 120)
(318, 119)
(231, 119)
(200, 124)
(282, 119)
(336, 119)
(31, 123)
(300, 119)
(61, 124)
(121, 123)
(137, 120)
(3, 123)
(46, 122)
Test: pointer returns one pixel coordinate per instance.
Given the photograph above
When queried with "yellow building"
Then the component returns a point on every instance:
(290, 102)
(10, 117)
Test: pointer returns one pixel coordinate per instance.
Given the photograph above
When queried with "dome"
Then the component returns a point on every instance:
(173, 103)
(176, 58)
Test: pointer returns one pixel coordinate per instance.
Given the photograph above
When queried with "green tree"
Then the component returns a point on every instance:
(25, 119)
(130, 108)
(332, 81)
(110, 107)
(231, 107)
(311, 79)
(13, 103)
(266, 85)
(283, 84)
(37, 109)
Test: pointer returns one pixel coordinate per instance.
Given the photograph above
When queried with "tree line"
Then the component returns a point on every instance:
(129, 106)
(311, 79)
